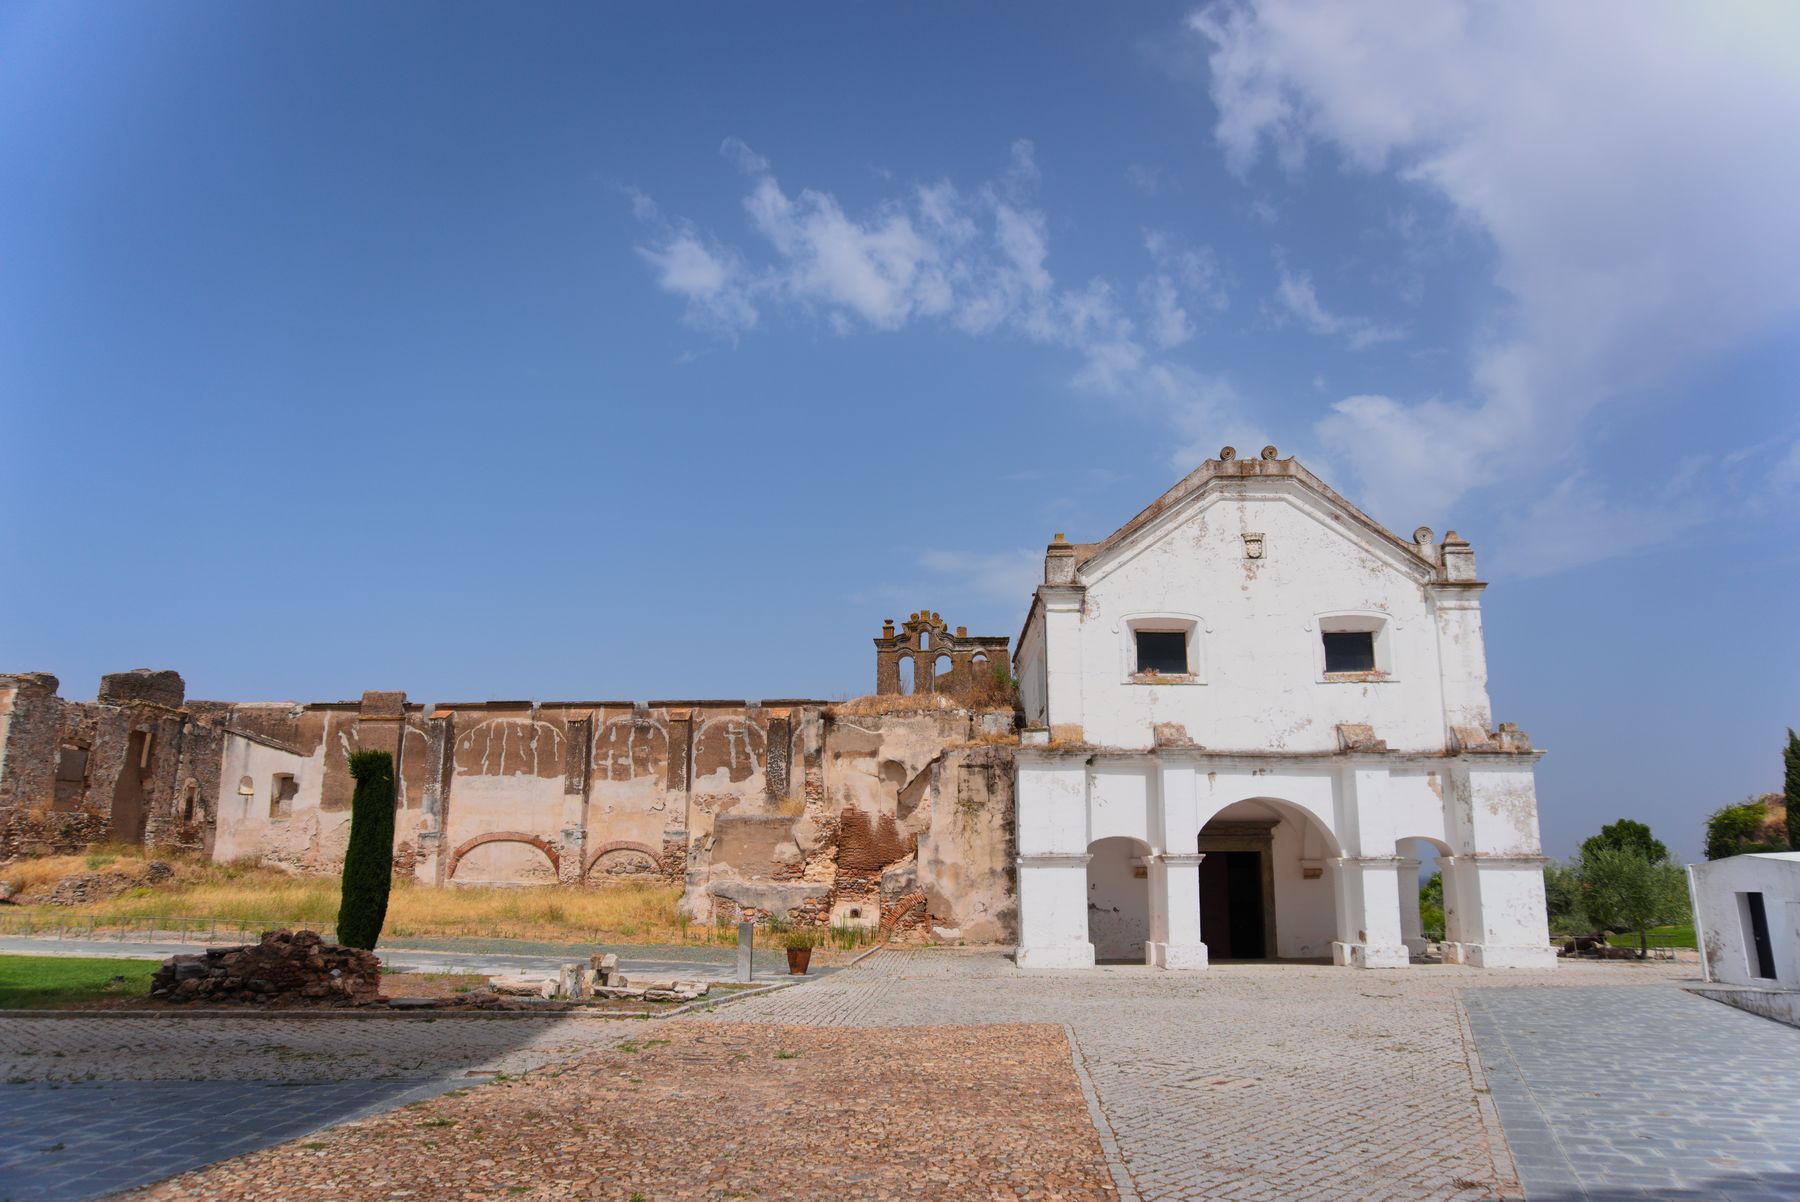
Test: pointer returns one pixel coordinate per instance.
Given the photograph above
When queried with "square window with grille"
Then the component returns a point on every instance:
(1162, 651)
(1349, 651)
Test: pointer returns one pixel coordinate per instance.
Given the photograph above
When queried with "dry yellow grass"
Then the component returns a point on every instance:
(618, 912)
(42, 872)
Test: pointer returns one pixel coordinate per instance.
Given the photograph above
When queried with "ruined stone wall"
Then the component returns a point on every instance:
(114, 770)
(791, 809)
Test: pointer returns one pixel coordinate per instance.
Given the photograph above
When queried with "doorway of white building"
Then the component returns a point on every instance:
(1266, 888)
(1232, 922)
(1118, 900)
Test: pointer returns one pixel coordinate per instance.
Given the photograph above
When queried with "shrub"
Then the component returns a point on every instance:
(1562, 899)
(369, 859)
(1431, 907)
(1736, 829)
(1790, 762)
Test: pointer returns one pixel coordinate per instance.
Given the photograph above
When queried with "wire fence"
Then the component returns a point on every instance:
(163, 928)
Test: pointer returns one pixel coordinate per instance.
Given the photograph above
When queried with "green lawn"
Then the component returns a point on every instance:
(1679, 936)
(49, 982)
(1675, 936)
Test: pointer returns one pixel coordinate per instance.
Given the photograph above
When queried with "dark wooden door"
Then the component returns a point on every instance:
(1231, 905)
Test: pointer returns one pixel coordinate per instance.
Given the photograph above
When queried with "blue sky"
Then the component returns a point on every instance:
(634, 353)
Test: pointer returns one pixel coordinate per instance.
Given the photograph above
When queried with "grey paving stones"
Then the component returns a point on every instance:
(1634, 1094)
(93, 1104)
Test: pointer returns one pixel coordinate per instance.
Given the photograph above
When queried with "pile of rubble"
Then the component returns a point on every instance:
(287, 966)
(599, 978)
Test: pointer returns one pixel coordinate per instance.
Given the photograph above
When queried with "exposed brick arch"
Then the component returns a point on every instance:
(621, 845)
(504, 837)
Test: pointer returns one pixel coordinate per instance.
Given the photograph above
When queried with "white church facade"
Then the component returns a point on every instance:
(1249, 710)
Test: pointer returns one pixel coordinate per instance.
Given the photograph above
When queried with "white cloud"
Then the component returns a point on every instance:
(1576, 523)
(710, 280)
(1168, 322)
(1301, 300)
(1631, 166)
(742, 157)
(976, 259)
(1195, 268)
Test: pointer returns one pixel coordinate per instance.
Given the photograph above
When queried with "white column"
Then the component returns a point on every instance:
(1053, 920)
(1412, 926)
(1175, 901)
(1369, 922)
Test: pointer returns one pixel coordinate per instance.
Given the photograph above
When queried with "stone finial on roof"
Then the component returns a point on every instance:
(1269, 452)
(1059, 562)
(1457, 557)
(1227, 454)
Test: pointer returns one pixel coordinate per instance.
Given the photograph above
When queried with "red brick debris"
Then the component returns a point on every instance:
(686, 1112)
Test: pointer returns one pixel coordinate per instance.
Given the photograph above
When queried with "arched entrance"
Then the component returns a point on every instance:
(1417, 929)
(1118, 900)
(1266, 887)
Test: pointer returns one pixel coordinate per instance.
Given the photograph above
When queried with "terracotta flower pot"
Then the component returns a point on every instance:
(798, 959)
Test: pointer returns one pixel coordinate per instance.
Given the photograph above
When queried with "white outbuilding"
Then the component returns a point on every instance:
(1249, 710)
(1747, 918)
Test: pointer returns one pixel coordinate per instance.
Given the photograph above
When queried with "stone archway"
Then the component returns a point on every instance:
(1118, 899)
(622, 849)
(1267, 887)
(550, 852)
(1411, 850)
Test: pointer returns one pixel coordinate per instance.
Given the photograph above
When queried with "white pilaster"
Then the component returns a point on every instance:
(1412, 926)
(1175, 901)
(1369, 924)
(1062, 659)
(1053, 930)
(1462, 654)
(1503, 924)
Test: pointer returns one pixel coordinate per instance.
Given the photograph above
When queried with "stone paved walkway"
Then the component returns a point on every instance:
(1248, 1081)
(1642, 1093)
(92, 1104)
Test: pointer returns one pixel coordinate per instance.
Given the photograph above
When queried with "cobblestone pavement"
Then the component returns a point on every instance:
(93, 1104)
(714, 1111)
(1247, 1081)
(1641, 1093)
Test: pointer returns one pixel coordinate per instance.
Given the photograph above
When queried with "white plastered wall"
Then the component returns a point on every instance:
(1720, 889)
(1256, 627)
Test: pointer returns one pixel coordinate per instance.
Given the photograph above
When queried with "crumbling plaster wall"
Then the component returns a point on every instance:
(908, 827)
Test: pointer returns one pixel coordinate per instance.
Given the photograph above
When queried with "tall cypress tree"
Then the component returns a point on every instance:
(369, 860)
(1790, 758)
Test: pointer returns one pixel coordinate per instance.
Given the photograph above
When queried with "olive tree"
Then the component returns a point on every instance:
(1624, 890)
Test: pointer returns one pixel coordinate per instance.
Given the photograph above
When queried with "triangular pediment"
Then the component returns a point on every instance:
(1267, 478)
